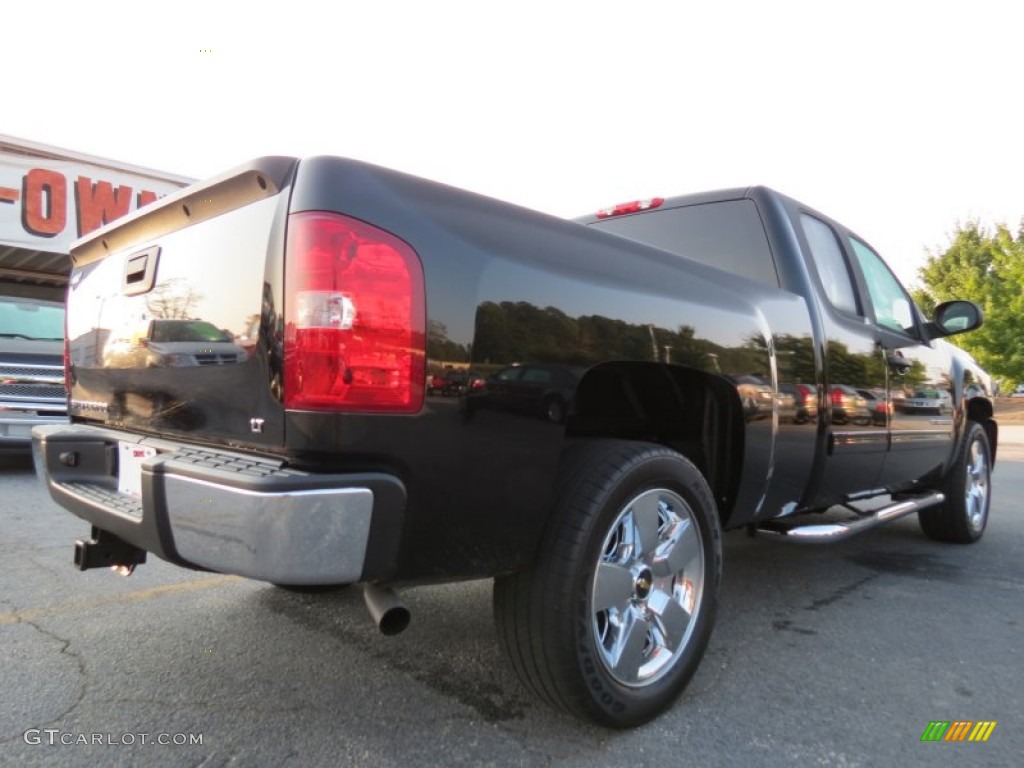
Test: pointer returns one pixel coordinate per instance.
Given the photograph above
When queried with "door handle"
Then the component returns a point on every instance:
(898, 362)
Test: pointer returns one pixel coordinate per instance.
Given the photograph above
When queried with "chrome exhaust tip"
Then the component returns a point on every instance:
(386, 609)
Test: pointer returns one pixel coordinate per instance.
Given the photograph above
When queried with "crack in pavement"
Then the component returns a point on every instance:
(83, 675)
(47, 567)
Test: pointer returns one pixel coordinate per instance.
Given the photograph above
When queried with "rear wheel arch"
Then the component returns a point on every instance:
(695, 413)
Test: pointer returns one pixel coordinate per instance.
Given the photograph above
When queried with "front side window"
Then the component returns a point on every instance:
(893, 308)
(830, 263)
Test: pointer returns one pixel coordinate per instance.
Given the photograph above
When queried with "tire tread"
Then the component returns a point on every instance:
(947, 522)
(529, 625)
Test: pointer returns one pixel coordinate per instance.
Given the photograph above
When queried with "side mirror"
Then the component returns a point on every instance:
(952, 317)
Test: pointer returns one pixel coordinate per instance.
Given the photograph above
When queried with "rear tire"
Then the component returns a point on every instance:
(962, 518)
(611, 620)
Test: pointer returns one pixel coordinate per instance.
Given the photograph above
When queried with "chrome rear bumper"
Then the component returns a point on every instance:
(316, 536)
(228, 512)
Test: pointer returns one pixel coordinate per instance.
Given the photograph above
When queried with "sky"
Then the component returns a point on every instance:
(901, 119)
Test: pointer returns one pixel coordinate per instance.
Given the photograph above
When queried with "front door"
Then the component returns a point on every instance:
(920, 397)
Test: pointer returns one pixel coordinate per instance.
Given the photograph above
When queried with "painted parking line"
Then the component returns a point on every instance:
(142, 595)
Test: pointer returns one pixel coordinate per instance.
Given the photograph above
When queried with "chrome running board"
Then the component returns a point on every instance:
(824, 533)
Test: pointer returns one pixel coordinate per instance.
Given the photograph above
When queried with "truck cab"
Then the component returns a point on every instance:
(863, 333)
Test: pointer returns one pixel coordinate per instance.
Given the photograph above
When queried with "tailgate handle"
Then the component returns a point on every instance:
(140, 271)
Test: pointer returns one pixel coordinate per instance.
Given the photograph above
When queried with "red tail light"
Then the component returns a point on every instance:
(354, 318)
(837, 397)
(633, 207)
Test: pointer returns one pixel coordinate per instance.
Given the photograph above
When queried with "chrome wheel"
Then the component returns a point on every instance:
(977, 486)
(962, 518)
(612, 617)
(647, 587)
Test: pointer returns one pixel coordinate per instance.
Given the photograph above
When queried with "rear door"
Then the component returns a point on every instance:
(856, 447)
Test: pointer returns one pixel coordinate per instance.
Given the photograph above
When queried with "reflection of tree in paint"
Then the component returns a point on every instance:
(440, 347)
(510, 332)
(797, 363)
(915, 376)
(174, 299)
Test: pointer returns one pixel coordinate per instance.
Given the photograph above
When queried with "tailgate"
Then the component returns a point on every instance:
(173, 320)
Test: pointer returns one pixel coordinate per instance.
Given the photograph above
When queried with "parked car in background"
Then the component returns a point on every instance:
(849, 406)
(878, 405)
(172, 344)
(805, 398)
(755, 396)
(540, 390)
(925, 401)
(454, 383)
(31, 369)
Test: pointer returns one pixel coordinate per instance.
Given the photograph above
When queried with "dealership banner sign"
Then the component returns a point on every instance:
(47, 204)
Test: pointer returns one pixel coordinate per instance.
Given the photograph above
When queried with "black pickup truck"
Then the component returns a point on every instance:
(703, 349)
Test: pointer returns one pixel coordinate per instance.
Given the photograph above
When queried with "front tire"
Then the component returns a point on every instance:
(962, 518)
(611, 620)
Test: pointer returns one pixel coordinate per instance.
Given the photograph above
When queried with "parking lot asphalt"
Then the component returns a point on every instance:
(836, 655)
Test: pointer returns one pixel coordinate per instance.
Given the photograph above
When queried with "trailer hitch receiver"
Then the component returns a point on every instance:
(105, 550)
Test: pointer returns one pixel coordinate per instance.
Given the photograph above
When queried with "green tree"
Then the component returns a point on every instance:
(441, 349)
(988, 268)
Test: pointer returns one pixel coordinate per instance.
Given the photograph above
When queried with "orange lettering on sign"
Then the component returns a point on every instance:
(44, 211)
(99, 203)
(145, 197)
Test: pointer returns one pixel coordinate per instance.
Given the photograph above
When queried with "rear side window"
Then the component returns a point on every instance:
(728, 235)
(830, 263)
